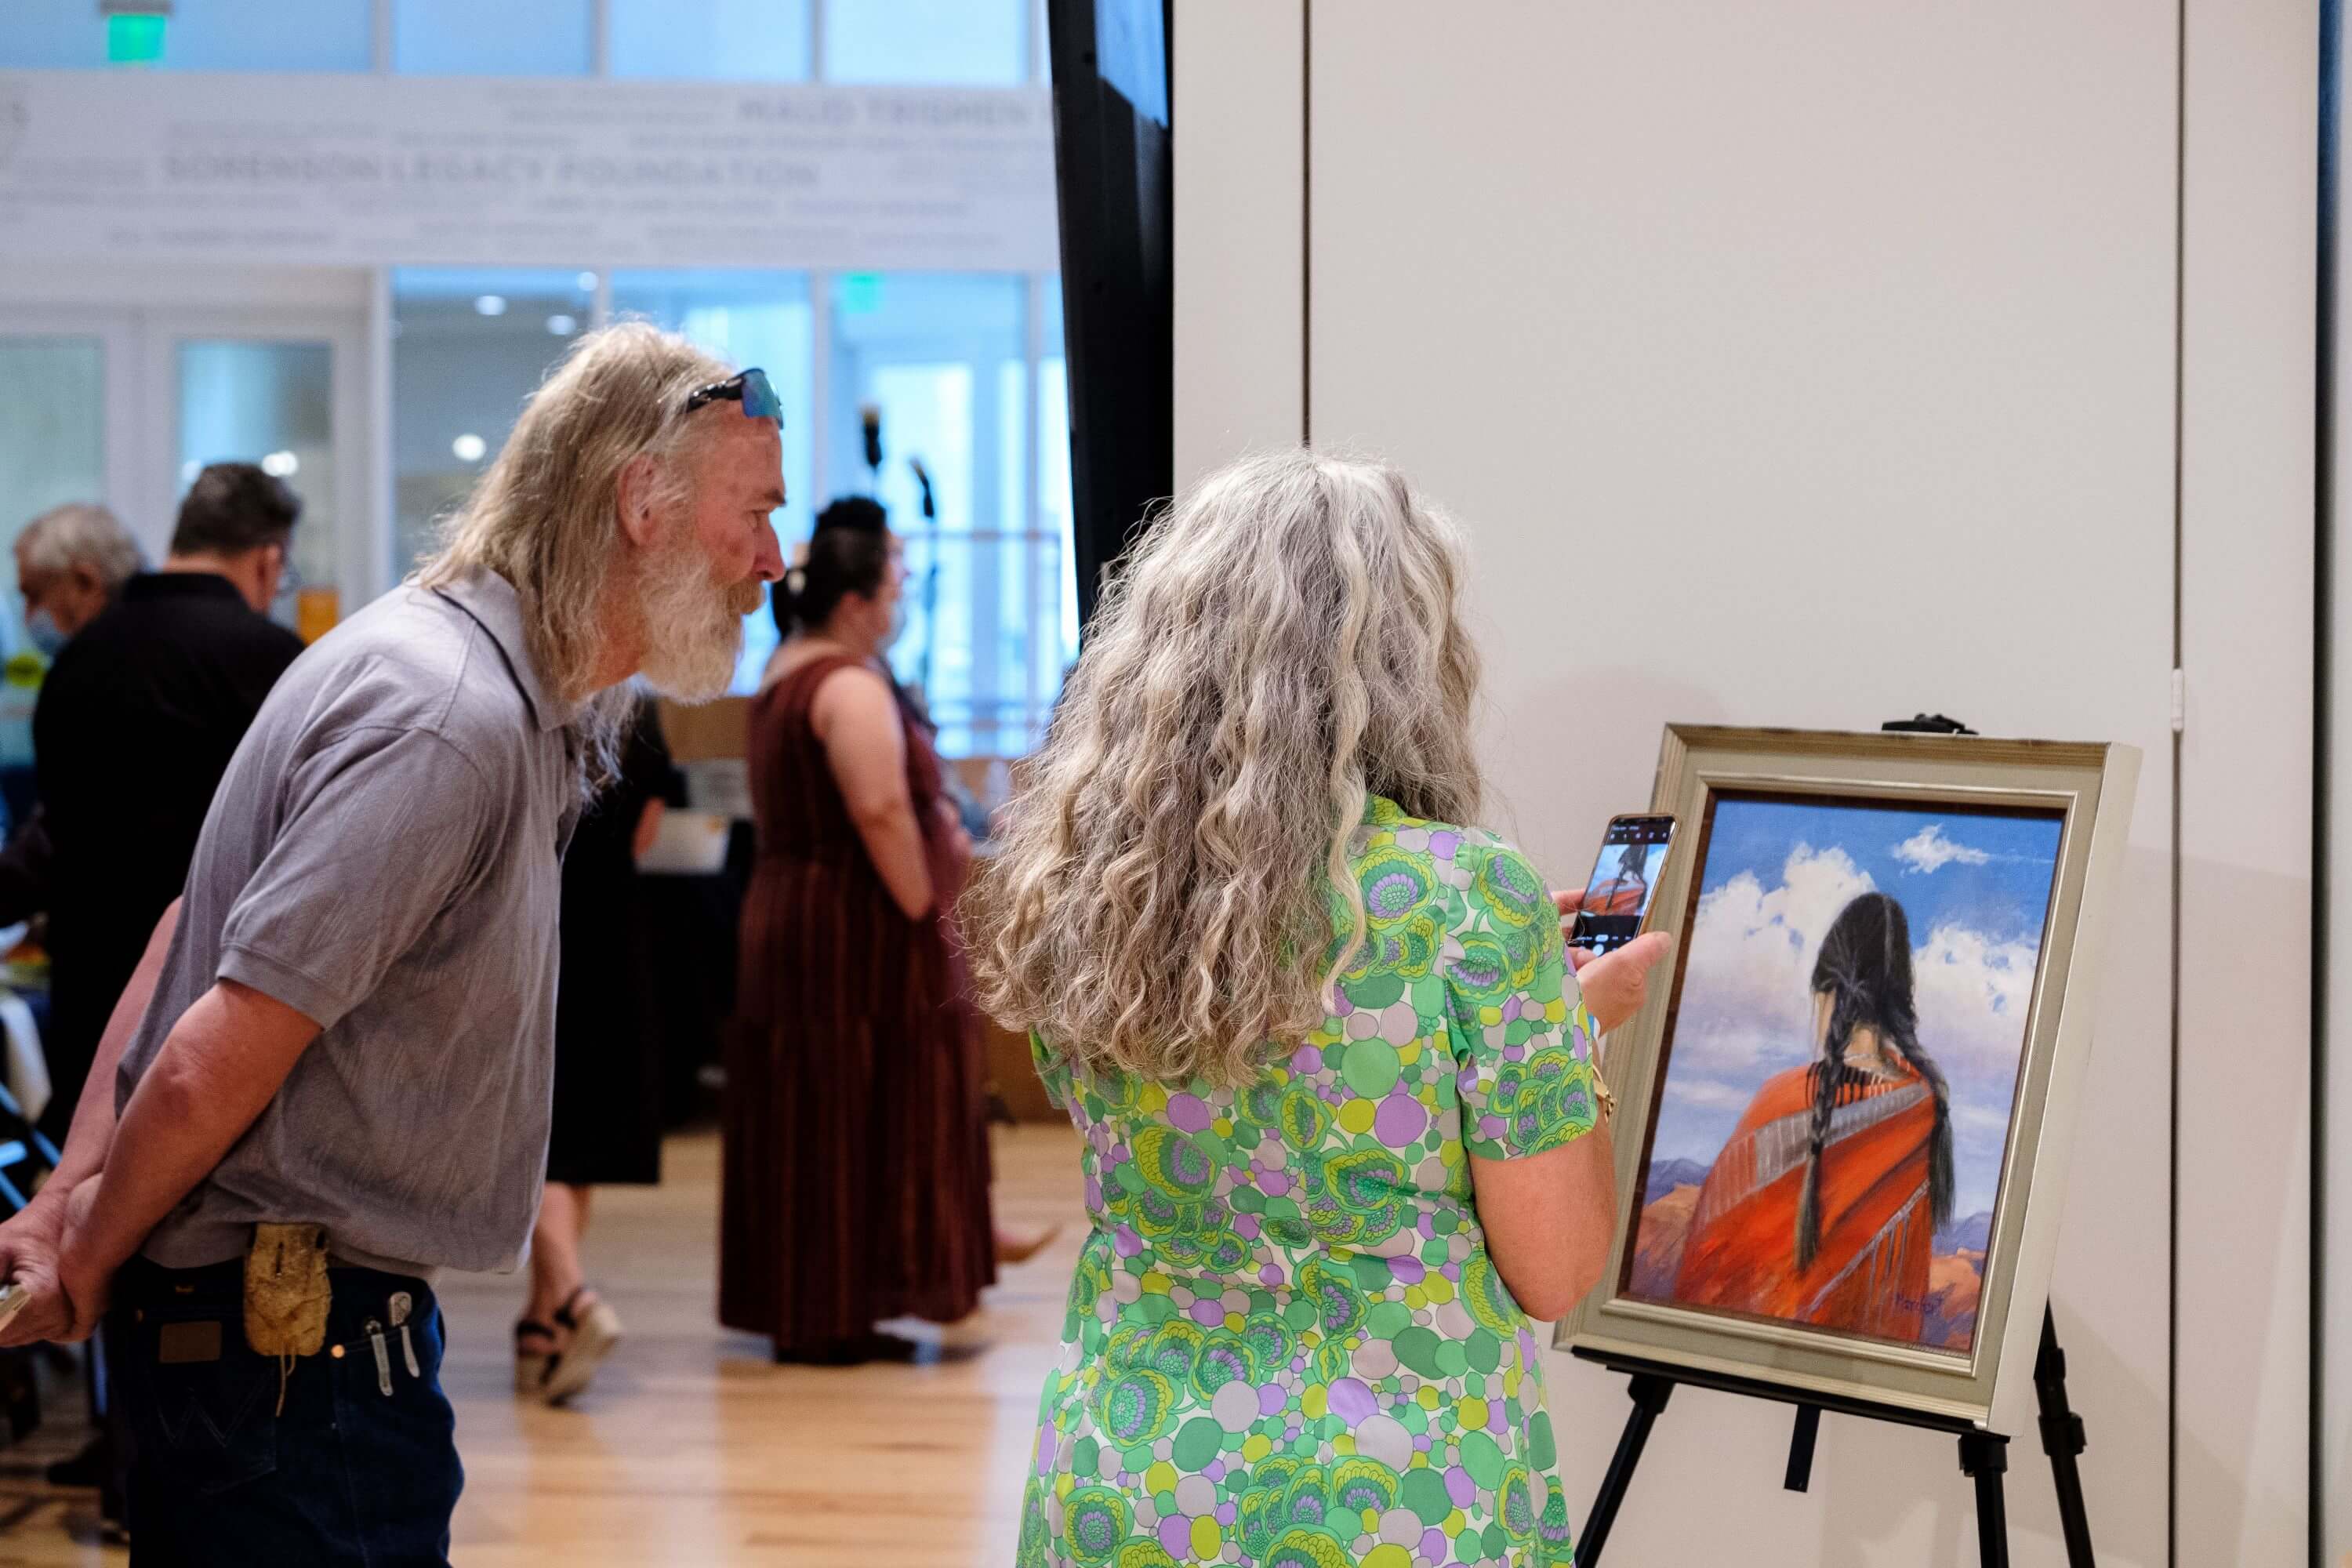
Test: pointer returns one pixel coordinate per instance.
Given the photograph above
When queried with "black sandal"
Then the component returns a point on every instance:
(532, 1366)
(592, 1330)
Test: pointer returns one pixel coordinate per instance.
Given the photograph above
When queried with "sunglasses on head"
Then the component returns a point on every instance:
(749, 388)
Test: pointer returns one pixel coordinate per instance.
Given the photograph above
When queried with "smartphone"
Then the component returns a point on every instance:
(13, 1298)
(1625, 878)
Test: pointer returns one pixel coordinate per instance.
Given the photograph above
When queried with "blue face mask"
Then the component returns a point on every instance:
(41, 627)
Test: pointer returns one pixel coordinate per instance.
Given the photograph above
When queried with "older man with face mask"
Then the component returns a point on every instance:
(335, 1060)
(71, 562)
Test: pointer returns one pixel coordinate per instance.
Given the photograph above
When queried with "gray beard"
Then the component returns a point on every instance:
(694, 634)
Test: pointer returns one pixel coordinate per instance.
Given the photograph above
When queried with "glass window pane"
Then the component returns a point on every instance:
(729, 40)
(1054, 506)
(967, 43)
(52, 451)
(511, 37)
(746, 318)
(1004, 730)
(927, 418)
(200, 35)
(926, 352)
(243, 400)
(58, 35)
(470, 346)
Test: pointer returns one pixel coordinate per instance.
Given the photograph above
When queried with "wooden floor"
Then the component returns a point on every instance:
(693, 1447)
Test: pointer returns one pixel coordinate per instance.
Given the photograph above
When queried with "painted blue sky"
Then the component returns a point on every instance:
(1975, 889)
(1921, 856)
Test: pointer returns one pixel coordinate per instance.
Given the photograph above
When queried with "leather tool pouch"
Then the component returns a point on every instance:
(286, 1290)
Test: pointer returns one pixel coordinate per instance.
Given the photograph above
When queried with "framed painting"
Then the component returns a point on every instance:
(1844, 1121)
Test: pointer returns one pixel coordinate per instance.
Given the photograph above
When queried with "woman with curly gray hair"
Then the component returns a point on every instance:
(1336, 1075)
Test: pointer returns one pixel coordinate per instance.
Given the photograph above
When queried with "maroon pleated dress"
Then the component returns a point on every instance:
(857, 1166)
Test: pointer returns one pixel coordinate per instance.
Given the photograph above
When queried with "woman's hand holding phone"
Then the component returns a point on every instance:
(1616, 983)
(1609, 911)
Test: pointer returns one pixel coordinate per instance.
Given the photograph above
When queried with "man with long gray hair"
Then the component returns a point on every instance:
(336, 1056)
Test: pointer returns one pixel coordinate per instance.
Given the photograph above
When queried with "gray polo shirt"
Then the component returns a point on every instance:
(384, 856)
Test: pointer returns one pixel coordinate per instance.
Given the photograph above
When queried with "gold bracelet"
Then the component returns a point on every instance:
(1602, 1094)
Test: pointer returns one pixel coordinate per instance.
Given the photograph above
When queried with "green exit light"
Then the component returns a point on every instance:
(134, 40)
(861, 293)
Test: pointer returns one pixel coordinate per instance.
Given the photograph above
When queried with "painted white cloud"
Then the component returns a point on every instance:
(1707, 1092)
(1746, 1007)
(1973, 995)
(1746, 1010)
(1929, 851)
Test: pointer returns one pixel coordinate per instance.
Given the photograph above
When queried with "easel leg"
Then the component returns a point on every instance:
(1800, 1449)
(1649, 1393)
(1984, 1456)
(2063, 1439)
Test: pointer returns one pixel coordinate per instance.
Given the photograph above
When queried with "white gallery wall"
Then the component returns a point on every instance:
(2249, 332)
(1815, 364)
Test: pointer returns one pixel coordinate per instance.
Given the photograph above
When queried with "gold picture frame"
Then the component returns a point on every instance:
(2087, 790)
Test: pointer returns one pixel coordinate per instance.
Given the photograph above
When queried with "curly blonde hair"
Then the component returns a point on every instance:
(1285, 640)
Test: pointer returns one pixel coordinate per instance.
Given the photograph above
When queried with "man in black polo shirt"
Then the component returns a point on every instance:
(136, 722)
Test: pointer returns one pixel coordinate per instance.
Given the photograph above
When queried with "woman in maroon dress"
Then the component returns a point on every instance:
(857, 1169)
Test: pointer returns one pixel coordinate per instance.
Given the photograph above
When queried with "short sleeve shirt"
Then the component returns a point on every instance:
(384, 855)
(1287, 1336)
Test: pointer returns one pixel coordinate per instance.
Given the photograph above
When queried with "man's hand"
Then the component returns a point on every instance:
(82, 1282)
(29, 1255)
(1616, 983)
(218, 1068)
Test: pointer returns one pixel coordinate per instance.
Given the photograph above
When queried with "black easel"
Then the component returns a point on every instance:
(1984, 1456)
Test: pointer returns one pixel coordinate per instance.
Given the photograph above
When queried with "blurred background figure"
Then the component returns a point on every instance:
(137, 721)
(857, 1162)
(71, 561)
(607, 1125)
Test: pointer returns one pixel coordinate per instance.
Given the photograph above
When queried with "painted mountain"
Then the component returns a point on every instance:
(1658, 1246)
(1665, 1175)
(1973, 1234)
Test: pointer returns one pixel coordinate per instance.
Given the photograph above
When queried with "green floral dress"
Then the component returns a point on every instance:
(1287, 1344)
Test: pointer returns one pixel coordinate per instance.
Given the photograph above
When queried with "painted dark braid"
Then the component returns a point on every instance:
(1864, 968)
(1830, 1077)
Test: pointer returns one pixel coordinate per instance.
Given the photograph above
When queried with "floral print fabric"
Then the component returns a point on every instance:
(1286, 1345)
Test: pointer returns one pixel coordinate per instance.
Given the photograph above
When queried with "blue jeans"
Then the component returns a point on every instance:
(346, 1474)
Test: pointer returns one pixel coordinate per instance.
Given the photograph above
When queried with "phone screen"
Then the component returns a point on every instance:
(1624, 880)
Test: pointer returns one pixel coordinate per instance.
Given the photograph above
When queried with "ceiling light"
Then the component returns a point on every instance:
(587, 281)
(490, 304)
(562, 326)
(470, 448)
(281, 464)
